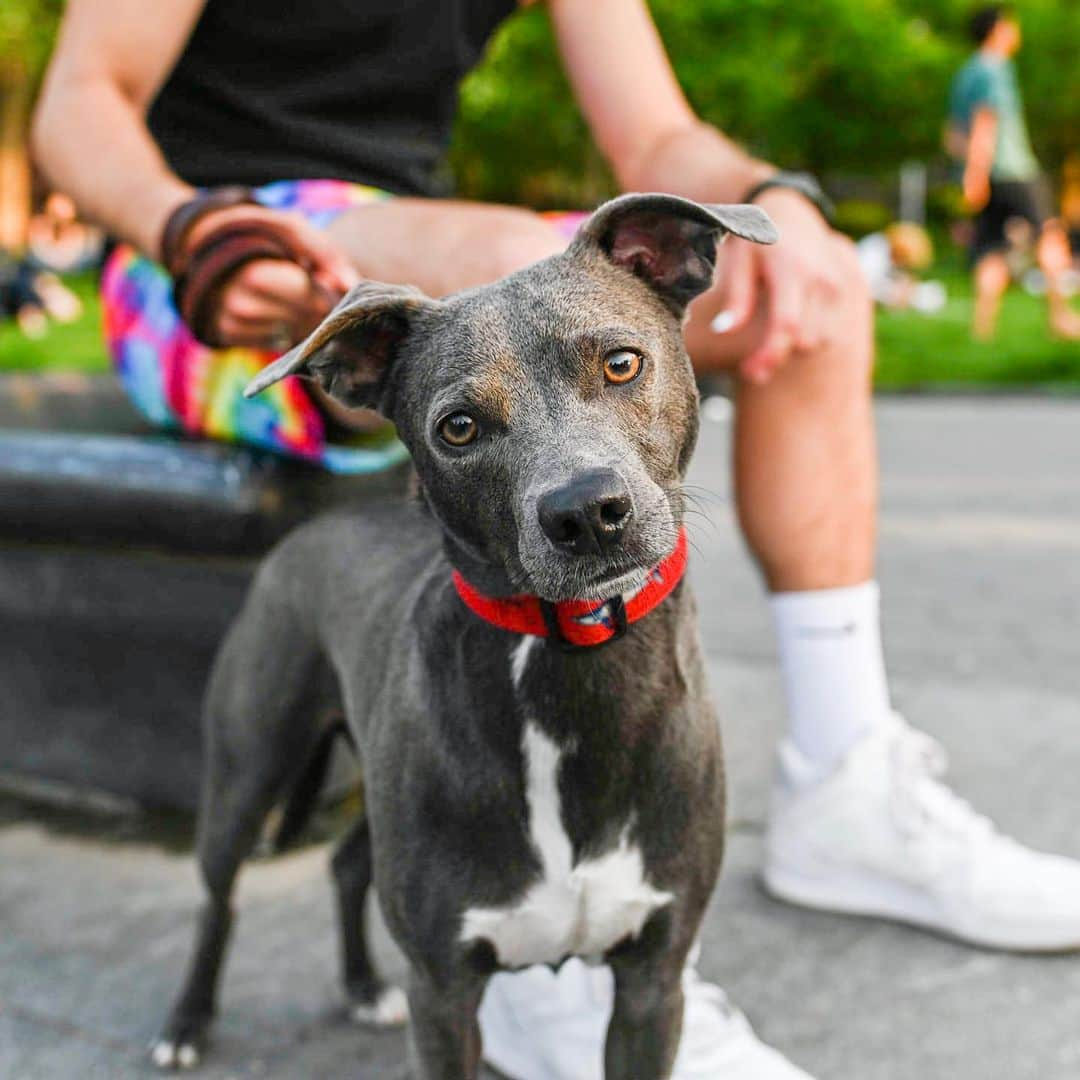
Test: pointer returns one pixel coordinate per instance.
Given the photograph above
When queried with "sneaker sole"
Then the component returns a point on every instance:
(852, 894)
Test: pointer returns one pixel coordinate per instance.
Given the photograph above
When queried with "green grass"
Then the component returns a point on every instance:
(78, 346)
(924, 352)
(914, 351)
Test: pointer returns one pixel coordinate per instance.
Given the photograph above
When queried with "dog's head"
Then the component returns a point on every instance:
(550, 415)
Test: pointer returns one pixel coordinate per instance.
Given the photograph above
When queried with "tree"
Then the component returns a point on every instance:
(837, 86)
(27, 28)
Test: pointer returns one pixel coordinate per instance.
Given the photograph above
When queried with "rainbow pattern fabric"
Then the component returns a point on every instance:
(181, 385)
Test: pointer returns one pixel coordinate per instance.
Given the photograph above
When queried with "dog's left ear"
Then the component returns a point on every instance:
(670, 242)
(351, 351)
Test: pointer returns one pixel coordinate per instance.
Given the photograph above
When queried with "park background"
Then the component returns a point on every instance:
(108, 621)
(850, 89)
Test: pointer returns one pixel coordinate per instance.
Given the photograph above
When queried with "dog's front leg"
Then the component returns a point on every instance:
(646, 1021)
(444, 1041)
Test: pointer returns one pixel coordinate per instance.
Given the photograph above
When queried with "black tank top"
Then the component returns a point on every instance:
(361, 90)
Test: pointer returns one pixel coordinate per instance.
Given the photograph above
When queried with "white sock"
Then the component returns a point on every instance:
(833, 668)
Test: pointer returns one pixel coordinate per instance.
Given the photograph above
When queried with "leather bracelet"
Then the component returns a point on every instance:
(183, 219)
(804, 184)
(223, 251)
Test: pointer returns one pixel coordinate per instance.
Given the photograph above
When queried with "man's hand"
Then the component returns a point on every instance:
(272, 303)
(796, 279)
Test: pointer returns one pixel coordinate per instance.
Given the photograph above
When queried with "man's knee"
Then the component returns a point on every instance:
(518, 238)
(842, 351)
(854, 296)
(846, 348)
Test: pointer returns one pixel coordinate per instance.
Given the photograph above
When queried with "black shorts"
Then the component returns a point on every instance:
(1025, 199)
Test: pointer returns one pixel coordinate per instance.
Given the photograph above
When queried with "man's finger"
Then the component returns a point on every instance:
(786, 304)
(249, 306)
(254, 334)
(326, 263)
(739, 288)
(275, 280)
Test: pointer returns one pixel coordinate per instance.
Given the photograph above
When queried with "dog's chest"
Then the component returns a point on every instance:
(573, 909)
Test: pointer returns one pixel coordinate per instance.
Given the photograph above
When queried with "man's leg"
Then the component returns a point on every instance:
(806, 493)
(861, 821)
(991, 280)
(441, 245)
(805, 456)
(1055, 258)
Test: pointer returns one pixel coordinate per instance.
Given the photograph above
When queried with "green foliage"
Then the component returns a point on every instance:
(859, 217)
(837, 86)
(27, 29)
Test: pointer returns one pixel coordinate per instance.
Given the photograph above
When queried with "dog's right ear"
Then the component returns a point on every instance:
(670, 242)
(351, 351)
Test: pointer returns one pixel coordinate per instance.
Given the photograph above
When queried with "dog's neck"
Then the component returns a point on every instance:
(490, 578)
(581, 623)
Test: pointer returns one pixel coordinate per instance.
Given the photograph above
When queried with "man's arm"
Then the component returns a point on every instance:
(91, 139)
(980, 157)
(90, 135)
(654, 142)
(636, 109)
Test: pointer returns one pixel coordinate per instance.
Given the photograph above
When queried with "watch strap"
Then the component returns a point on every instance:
(805, 184)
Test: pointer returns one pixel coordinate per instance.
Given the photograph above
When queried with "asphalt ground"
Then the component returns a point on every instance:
(980, 570)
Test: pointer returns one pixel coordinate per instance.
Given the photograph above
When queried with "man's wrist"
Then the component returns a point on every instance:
(181, 224)
(804, 185)
(156, 211)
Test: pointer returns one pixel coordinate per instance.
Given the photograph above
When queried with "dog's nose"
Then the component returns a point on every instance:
(589, 515)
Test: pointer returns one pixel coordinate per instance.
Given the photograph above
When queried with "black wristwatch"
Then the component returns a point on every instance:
(802, 182)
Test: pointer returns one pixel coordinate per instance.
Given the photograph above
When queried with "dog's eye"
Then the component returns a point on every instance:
(622, 366)
(458, 429)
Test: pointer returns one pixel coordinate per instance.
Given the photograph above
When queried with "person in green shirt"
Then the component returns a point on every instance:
(1002, 180)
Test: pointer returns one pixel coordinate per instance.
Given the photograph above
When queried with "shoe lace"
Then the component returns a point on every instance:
(920, 764)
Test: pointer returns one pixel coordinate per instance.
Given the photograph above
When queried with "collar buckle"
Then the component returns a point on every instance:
(617, 608)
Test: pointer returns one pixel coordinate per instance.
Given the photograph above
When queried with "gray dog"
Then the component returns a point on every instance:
(530, 795)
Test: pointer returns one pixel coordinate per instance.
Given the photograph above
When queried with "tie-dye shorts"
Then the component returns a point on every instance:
(179, 384)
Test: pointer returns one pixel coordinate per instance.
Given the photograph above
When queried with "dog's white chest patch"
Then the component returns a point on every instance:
(573, 910)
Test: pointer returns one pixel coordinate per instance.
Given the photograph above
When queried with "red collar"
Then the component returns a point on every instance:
(578, 623)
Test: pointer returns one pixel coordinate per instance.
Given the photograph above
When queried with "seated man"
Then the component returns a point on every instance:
(141, 107)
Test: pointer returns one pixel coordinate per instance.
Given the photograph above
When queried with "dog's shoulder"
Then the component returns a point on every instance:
(365, 545)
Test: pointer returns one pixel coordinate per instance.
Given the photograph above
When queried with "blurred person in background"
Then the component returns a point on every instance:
(334, 116)
(58, 241)
(33, 296)
(892, 260)
(988, 136)
(1070, 205)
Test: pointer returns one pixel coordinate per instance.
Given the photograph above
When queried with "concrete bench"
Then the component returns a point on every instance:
(124, 553)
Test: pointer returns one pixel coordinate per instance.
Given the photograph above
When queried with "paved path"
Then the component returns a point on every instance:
(981, 573)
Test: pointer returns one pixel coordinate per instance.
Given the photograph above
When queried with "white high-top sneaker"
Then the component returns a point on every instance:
(883, 836)
(539, 1025)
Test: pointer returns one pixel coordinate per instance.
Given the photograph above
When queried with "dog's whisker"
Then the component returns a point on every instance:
(710, 493)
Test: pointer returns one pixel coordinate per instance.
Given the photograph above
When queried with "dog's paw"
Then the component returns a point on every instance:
(168, 1055)
(180, 1046)
(389, 1009)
